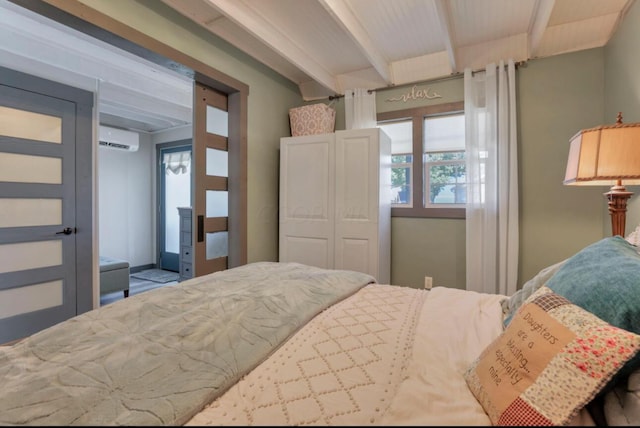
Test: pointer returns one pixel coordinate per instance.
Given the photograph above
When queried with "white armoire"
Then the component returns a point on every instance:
(335, 201)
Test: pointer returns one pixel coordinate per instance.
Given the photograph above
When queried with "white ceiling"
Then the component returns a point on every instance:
(324, 46)
(328, 46)
(132, 93)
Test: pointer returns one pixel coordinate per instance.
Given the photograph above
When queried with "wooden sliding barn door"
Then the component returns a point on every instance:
(211, 181)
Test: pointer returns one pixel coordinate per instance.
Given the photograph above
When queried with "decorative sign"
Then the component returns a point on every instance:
(415, 94)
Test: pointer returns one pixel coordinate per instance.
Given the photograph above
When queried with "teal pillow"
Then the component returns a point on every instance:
(604, 279)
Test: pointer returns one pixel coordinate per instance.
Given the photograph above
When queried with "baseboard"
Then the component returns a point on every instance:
(135, 269)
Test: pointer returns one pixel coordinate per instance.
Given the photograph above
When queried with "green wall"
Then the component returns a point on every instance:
(557, 97)
(622, 92)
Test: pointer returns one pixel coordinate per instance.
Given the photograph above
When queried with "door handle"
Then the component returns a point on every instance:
(66, 231)
(200, 228)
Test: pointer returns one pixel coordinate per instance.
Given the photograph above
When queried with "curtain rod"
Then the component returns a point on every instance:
(437, 79)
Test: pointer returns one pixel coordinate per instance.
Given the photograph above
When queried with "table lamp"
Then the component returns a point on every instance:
(607, 155)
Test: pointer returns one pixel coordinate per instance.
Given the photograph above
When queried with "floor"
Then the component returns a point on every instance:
(136, 286)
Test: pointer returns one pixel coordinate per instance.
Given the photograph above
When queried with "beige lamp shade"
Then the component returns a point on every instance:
(604, 155)
(608, 155)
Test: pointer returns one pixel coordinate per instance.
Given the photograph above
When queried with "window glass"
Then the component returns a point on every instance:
(444, 161)
(401, 135)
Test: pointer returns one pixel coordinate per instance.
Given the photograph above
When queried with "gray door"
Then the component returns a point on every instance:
(39, 242)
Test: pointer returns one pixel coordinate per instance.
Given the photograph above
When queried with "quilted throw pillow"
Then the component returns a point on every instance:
(551, 360)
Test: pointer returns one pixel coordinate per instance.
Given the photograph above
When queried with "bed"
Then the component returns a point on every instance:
(287, 344)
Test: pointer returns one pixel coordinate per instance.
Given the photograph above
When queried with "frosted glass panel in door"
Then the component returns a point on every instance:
(18, 168)
(33, 126)
(30, 255)
(217, 245)
(15, 301)
(217, 121)
(217, 163)
(16, 212)
(217, 203)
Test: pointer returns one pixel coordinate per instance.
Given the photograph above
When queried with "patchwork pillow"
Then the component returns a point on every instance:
(551, 360)
(604, 279)
(513, 303)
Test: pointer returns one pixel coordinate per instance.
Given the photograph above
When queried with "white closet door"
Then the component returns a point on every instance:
(361, 234)
(307, 200)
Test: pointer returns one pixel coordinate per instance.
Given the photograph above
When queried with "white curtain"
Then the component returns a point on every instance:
(177, 163)
(492, 177)
(360, 109)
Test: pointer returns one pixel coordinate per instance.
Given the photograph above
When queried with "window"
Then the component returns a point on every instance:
(444, 161)
(428, 160)
(400, 133)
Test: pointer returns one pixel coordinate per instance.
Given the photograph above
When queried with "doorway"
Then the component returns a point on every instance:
(73, 15)
(174, 191)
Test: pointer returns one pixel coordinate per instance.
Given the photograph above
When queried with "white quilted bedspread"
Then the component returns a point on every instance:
(343, 368)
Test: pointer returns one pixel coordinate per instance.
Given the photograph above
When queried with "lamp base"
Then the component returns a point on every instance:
(617, 197)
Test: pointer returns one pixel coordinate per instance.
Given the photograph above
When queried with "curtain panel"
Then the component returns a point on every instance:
(360, 109)
(492, 179)
(177, 163)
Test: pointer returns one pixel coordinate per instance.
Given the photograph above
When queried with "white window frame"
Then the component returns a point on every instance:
(404, 165)
(427, 181)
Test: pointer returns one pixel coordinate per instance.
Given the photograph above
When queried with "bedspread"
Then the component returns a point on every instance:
(387, 355)
(160, 357)
(343, 368)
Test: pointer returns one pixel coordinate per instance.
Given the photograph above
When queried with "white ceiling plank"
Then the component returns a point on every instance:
(142, 115)
(568, 11)
(367, 78)
(421, 68)
(115, 94)
(34, 67)
(476, 57)
(442, 8)
(578, 35)
(205, 14)
(36, 45)
(229, 31)
(540, 21)
(312, 90)
(345, 17)
(275, 38)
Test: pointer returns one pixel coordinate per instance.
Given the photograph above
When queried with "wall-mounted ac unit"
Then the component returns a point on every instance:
(118, 139)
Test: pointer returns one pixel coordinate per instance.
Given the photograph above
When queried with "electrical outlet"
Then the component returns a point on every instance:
(428, 282)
